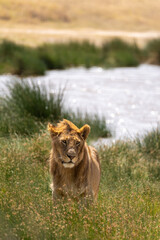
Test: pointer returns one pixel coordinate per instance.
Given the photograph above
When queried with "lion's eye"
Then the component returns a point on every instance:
(64, 142)
(77, 143)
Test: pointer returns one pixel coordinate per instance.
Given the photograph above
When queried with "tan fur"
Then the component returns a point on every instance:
(74, 166)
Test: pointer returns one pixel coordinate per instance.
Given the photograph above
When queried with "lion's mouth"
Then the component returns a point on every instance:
(69, 164)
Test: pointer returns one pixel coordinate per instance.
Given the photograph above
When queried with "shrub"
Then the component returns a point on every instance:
(150, 143)
(97, 124)
(28, 107)
(20, 60)
(60, 56)
(13, 123)
(24, 61)
(118, 53)
(152, 50)
(28, 97)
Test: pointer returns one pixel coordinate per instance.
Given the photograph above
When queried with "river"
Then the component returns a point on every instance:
(128, 98)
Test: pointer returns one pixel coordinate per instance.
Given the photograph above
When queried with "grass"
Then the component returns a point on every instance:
(20, 60)
(28, 97)
(28, 108)
(75, 54)
(150, 144)
(26, 61)
(118, 53)
(128, 202)
(97, 124)
(110, 15)
(152, 50)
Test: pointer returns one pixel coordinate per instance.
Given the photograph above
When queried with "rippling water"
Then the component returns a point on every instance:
(129, 98)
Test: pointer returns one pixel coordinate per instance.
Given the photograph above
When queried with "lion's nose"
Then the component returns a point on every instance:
(71, 153)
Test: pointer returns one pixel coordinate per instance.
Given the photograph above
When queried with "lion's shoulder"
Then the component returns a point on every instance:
(93, 154)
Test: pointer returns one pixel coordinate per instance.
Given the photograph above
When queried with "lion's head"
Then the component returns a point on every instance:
(68, 141)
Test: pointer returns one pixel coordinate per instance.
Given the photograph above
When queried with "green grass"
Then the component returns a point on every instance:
(28, 97)
(118, 53)
(97, 124)
(150, 144)
(20, 60)
(28, 108)
(152, 51)
(26, 61)
(61, 56)
(128, 205)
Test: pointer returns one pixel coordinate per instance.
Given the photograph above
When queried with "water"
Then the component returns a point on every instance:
(129, 98)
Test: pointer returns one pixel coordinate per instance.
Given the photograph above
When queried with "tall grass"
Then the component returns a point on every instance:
(28, 107)
(152, 51)
(28, 97)
(60, 56)
(97, 124)
(118, 53)
(150, 143)
(22, 60)
(127, 207)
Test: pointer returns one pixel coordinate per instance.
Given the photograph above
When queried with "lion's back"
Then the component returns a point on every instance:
(94, 155)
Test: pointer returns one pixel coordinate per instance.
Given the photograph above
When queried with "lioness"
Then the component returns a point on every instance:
(74, 166)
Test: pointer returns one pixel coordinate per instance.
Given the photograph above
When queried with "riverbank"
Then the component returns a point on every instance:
(27, 61)
(35, 36)
(27, 109)
(128, 98)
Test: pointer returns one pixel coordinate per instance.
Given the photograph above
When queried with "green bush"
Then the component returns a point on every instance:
(60, 56)
(118, 53)
(24, 61)
(13, 123)
(28, 97)
(152, 51)
(28, 107)
(97, 124)
(20, 60)
(150, 143)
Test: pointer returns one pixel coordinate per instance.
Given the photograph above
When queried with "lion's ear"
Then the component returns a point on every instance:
(52, 130)
(84, 131)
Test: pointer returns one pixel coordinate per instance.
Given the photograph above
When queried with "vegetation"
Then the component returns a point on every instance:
(21, 60)
(150, 145)
(28, 107)
(152, 51)
(127, 206)
(109, 15)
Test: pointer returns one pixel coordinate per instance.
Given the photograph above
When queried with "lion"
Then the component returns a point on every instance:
(74, 166)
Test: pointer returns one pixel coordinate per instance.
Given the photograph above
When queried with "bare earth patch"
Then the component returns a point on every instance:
(36, 36)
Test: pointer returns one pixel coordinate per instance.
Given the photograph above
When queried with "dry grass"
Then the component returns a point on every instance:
(117, 15)
(99, 14)
(128, 205)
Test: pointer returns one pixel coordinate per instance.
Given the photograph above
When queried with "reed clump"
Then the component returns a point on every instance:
(26, 61)
(28, 107)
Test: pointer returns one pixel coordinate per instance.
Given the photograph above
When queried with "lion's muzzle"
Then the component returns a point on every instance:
(71, 153)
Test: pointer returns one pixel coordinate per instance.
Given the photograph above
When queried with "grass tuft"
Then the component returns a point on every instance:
(28, 97)
(28, 107)
(97, 124)
(20, 60)
(152, 50)
(118, 53)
